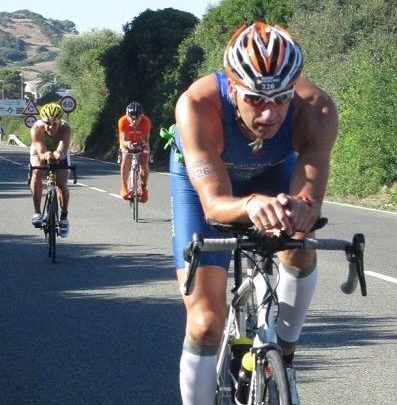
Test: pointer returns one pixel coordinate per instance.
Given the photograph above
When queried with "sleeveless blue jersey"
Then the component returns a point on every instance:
(241, 162)
(267, 171)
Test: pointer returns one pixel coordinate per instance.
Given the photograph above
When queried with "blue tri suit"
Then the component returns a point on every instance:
(267, 171)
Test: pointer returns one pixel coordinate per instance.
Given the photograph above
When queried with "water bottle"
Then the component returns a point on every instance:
(244, 379)
(239, 347)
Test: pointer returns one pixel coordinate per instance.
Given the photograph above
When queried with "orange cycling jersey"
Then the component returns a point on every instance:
(137, 133)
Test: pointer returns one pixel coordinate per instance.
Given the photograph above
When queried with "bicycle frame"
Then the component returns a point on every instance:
(50, 207)
(256, 290)
(134, 183)
(51, 218)
(262, 281)
(51, 189)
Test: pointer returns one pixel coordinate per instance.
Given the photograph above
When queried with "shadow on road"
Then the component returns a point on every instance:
(92, 329)
(106, 327)
(327, 336)
(344, 329)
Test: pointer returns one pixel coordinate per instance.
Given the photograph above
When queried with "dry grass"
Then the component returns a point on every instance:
(30, 72)
(30, 33)
(386, 199)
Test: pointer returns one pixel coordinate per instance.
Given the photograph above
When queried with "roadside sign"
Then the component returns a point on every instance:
(68, 104)
(30, 109)
(11, 107)
(30, 120)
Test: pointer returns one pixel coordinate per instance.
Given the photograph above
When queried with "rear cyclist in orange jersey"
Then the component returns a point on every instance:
(134, 127)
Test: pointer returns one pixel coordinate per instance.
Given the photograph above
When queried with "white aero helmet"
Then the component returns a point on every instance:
(263, 59)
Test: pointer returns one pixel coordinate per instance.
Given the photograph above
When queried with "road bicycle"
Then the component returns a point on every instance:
(134, 179)
(50, 208)
(252, 317)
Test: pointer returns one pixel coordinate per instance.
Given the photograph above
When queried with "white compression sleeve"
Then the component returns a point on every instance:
(295, 292)
(197, 374)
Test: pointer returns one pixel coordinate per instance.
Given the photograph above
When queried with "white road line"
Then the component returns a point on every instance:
(112, 163)
(79, 184)
(167, 174)
(95, 160)
(363, 208)
(381, 276)
(98, 189)
(115, 195)
(13, 161)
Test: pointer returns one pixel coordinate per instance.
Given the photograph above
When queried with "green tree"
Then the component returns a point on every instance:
(139, 68)
(219, 23)
(353, 57)
(47, 82)
(81, 66)
(365, 156)
(153, 52)
(11, 83)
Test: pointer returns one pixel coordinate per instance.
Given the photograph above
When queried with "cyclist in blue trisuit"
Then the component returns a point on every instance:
(256, 140)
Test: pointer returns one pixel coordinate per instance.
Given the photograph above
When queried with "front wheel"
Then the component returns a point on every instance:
(134, 191)
(135, 194)
(271, 385)
(135, 207)
(51, 218)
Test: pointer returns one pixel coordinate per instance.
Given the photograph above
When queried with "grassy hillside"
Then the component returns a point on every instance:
(29, 41)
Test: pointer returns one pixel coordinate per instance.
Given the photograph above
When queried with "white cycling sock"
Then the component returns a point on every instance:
(295, 292)
(197, 376)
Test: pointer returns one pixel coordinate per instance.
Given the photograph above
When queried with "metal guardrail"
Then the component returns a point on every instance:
(14, 140)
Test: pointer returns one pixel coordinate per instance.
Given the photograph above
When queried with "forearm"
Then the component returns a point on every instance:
(226, 209)
(310, 177)
(307, 189)
(42, 152)
(59, 153)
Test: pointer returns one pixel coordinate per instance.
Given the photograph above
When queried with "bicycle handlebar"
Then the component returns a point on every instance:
(53, 167)
(136, 147)
(248, 239)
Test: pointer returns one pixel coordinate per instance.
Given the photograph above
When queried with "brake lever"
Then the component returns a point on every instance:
(358, 254)
(74, 174)
(192, 258)
(355, 257)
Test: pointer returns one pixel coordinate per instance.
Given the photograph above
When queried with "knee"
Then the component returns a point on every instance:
(125, 157)
(298, 259)
(205, 327)
(36, 177)
(63, 187)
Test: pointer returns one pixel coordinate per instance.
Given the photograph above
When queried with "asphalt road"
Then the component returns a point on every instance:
(104, 325)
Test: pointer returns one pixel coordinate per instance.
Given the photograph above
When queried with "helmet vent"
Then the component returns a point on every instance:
(275, 56)
(248, 70)
(259, 59)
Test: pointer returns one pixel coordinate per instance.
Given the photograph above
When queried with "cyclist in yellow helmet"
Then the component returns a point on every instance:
(51, 138)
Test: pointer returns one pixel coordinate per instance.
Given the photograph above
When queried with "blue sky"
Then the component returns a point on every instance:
(112, 14)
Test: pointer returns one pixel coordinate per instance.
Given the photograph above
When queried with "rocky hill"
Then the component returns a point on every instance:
(29, 42)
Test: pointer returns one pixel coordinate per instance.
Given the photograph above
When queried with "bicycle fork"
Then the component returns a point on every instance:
(264, 329)
(51, 194)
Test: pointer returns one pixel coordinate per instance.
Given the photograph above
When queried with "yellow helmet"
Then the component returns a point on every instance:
(51, 112)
